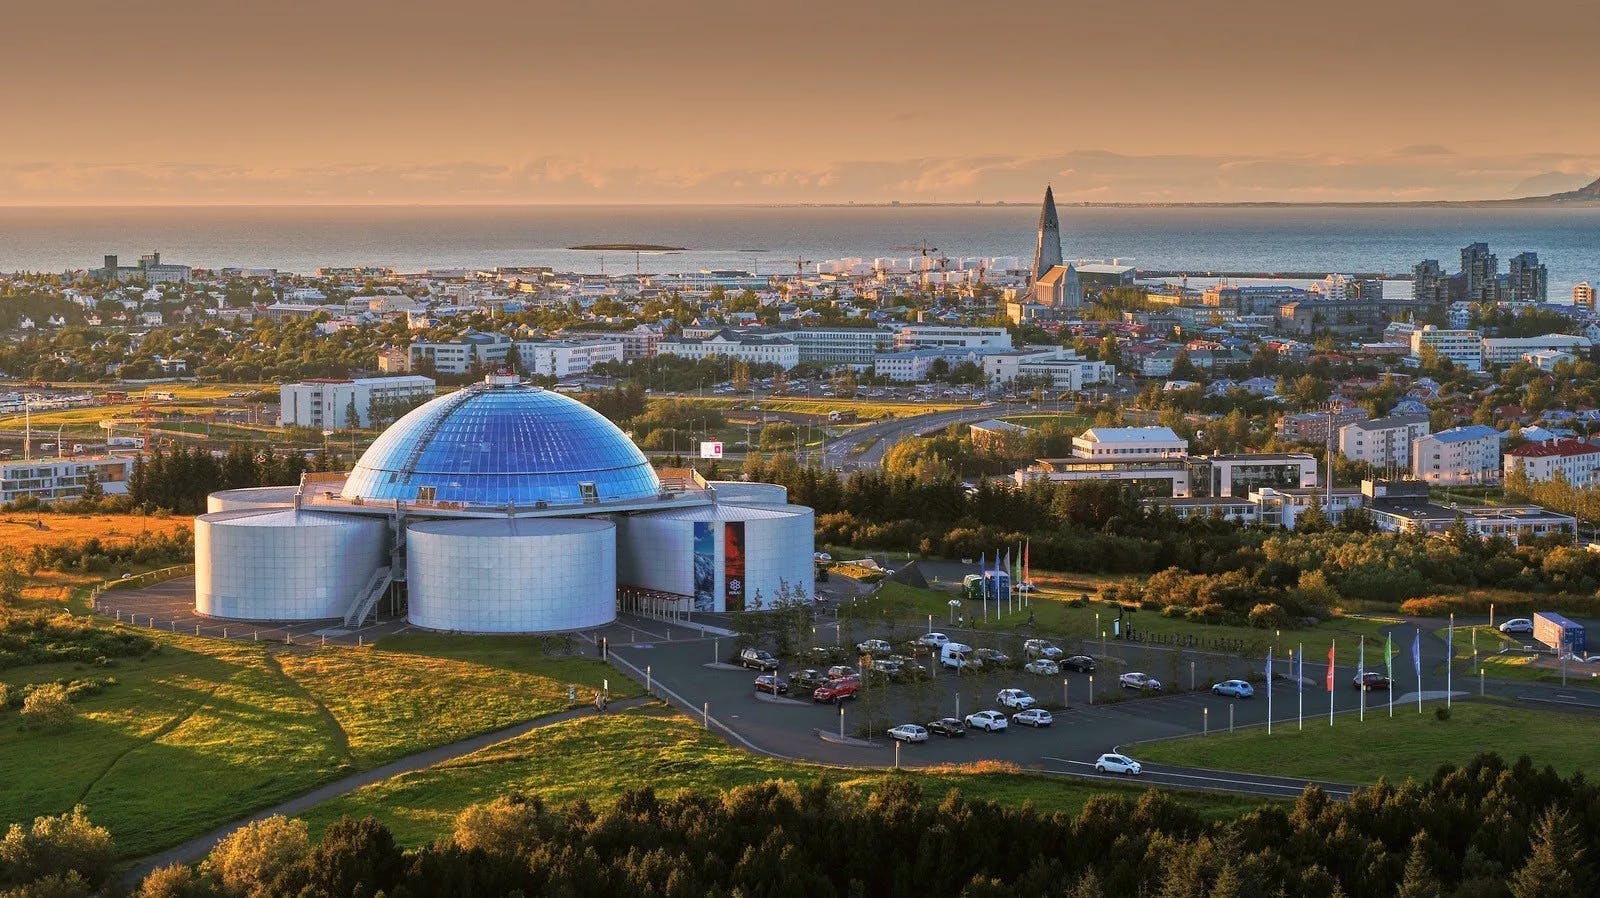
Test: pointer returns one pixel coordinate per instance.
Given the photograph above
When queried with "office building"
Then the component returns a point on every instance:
(1526, 279)
(1404, 506)
(1460, 455)
(1463, 347)
(1510, 350)
(1239, 475)
(857, 346)
(1153, 458)
(329, 404)
(1583, 295)
(931, 336)
(1482, 272)
(755, 349)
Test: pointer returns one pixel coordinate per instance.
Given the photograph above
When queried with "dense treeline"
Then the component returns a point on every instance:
(1486, 830)
(179, 479)
(1103, 527)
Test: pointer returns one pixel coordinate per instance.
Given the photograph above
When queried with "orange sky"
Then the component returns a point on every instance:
(179, 101)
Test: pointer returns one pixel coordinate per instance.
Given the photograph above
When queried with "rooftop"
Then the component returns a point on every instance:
(1554, 448)
(1464, 434)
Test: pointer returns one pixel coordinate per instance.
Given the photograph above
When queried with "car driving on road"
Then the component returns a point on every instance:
(1034, 717)
(1115, 763)
(1143, 682)
(1370, 680)
(908, 732)
(988, 721)
(948, 727)
(1015, 699)
(1235, 688)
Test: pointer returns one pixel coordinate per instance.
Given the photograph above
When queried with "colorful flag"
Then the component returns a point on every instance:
(1016, 567)
(1330, 667)
(983, 573)
(1300, 670)
(1269, 668)
(1416, 655)
(1388, 655)
(1027, 574)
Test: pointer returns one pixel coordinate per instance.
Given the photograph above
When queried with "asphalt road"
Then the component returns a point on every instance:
(841, 452)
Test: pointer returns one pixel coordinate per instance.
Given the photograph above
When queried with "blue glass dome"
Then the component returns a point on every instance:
(501, 442)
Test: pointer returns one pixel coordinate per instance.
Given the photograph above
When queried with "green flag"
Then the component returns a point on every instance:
(1388, 656)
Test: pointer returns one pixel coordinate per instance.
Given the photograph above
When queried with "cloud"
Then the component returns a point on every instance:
(1416, 173)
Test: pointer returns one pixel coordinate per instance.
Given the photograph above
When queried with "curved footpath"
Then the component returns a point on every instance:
(196, 848)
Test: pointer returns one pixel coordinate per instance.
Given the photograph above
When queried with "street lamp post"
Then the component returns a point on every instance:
(1065, 699)
(1091, 689)
(841, 723)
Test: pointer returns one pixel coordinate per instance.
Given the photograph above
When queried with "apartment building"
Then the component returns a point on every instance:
(63, 478)
(1382, 442)
(1459, 455)
(1510, 350)
(1576, 461)
(1463, 347)
(754, 349)
(1312, 427)
(927, 336)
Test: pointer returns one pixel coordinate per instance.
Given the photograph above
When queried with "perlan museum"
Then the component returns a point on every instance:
(500, 508)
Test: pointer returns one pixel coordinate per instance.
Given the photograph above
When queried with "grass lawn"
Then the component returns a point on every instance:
(1407, 745)
(598, 758)
(22, 531)
(206, 730)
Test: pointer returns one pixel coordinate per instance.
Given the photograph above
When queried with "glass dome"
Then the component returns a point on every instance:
(499, 442)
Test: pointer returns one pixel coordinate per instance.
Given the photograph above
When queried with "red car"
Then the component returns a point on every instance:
(837, 691)
(772, 683)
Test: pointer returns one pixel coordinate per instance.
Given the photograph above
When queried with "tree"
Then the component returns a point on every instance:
(741, 377)
(1555, 869)
(174, 881)
(256, 857)
(354, 858)
(1419, 880)
(513, 360)
(352, 415)
(844, 383)
(56, 847)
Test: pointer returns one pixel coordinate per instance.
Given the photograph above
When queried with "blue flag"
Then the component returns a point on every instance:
(1416, 654)
(1269, 668)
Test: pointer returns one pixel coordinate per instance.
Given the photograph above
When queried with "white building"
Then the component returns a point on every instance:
(913, 365)
(1576, 461)
(62, 478)
(755, 350)
(839, 345)
(325, 404)
(1459, 455)
(1462, 347)
(1548, 359)
(1509, 350)
(1129, 444)
(1382, 442)
(1066, 369)
(564, 358)
(927, 336)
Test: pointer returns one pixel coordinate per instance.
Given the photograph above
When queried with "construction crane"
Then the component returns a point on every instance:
(924, 249)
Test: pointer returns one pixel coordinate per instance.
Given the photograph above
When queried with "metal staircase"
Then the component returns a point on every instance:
(368, 597)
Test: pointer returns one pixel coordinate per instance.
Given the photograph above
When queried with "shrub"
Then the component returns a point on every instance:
(5, 696)
(1268, 615)
(1510, 603)
(47, 706)
(58, 847)
(257, 856)
(174, 881)
(1441, 713)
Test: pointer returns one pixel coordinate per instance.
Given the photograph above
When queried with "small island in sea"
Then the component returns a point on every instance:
(631, 247)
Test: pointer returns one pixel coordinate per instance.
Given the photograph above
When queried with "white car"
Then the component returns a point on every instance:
(933, 640)
(821, 556)
(1517, 625)
(989, 721)
(874, 647)
(909, 732)
(1034, 717)
(1114, 763)
(1139, 681)
(1016, 699)
(1043, 667)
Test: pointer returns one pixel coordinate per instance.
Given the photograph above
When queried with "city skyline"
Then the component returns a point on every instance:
(181, 102)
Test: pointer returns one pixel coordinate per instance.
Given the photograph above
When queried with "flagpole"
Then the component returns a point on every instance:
(1332, 647)
(1361, 677)
(1416, 660)
(1449, 658)
(1388, 667)
(1269, 692)
(1300, 688)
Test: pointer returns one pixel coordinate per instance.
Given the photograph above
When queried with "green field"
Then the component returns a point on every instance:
(597, 758)
(1407, 745)
(205, 730)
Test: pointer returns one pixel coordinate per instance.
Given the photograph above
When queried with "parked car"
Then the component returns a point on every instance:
(837, 690)
(1517, 625)
(874, 647)
(1043, 666)
(841, 671)
(758, 659)
(808, 679)
(988, 721)
(948, 727)
(1079, 663)
(1042, 648)
(1034, 717)
(1370, 680)
(1015, 698)
(908, 732)
(991, 657)
(772, 683)
(821, 556)
(1115, 763)
(1139, 681)
(932, 640)
(1235, 688)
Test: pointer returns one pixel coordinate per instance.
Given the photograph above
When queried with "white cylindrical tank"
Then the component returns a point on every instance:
(252, 498)
(283, 564)
(771, 543)
(505, 575)
(742, 492)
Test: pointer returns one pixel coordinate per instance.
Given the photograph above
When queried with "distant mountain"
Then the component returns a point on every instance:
(1589, 193)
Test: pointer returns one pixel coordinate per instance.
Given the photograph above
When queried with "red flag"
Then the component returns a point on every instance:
(1027, 575)
(1330, 667)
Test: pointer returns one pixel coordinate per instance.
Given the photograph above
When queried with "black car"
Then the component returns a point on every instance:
(1079, 663)
(948, 727)
(1371, 680)
(808, 679)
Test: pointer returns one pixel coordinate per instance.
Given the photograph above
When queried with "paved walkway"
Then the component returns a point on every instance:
(196, 848)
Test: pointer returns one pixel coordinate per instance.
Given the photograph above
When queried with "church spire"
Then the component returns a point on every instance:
(1047, 253)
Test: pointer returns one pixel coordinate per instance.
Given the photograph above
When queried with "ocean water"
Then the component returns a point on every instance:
(769, 239)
